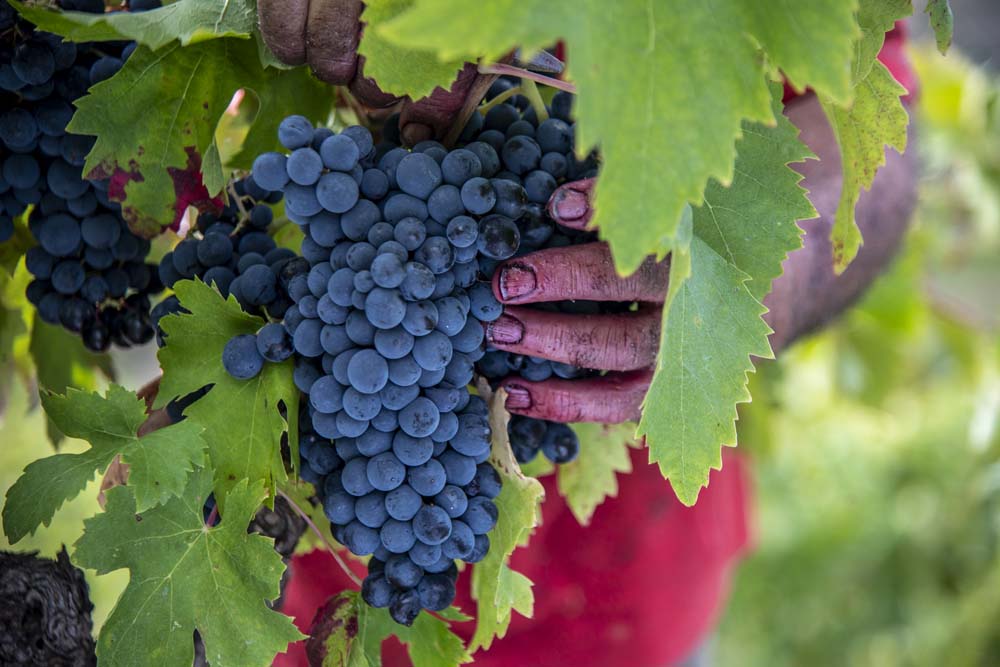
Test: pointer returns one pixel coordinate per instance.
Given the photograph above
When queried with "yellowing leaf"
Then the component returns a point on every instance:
(875, 120)
(497, 589)
(942, 21)
(586, 482)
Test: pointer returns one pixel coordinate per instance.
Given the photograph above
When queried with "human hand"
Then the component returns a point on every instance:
(806, 296)
(624, 344)
(325, 33)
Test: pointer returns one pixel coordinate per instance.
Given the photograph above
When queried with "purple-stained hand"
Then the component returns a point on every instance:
(805, 297)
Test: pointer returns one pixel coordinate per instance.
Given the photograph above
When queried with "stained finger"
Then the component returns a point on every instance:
(584, 271)
(570, 206)
(610, 399)
(614, 342)
(283, 26)
(332, 35)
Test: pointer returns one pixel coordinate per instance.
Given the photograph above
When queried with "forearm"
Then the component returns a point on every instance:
(809, 294)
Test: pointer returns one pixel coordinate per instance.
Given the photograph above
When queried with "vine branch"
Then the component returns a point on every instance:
(333, 550)
(498, 68)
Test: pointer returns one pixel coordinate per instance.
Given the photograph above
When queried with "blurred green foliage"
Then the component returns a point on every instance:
(23, 439)
(875, 445)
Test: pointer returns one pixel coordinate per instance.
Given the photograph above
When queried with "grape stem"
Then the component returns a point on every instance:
(333, 550)
(531, 92)
(231, 187)
(499, 99)
(212, 516)
(498, 68)
(480, 86)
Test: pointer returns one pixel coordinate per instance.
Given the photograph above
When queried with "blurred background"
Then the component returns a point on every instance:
(874, 444)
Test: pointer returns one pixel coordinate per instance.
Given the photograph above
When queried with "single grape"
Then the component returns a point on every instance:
(295, 132)
(436, 592)
(481, 515)
(403, 502)
(432, 525)
(560, 444)
(418, 175)
(240, 357)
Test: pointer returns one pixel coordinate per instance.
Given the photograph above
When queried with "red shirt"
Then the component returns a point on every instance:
(640, 587)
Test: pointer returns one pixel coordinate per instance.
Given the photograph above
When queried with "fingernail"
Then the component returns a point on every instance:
(517, 280)
(571, 205)
(505, 330)
(518, 398)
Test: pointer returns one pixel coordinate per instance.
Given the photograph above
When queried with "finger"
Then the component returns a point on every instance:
(283, 26)
(610, 399)
(432, 116)
(332, 35)
(366, 91)
(584, 271)
(618, 342)
(569, 205)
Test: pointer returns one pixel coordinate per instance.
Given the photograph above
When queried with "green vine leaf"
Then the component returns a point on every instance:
(159, 462)
(155, 123)
(497, 589)
(401, 71)
(293, 91)
(690, 408)
(741, 235)
(186, 576)
(586, 482)
(61, 361)
(659, 87)
(241, 419)
(189, 21)
(942, 22)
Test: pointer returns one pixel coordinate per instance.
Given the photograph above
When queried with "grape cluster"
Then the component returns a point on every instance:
(232, 250)
(385, 330)
(540, 157)
(89, 268)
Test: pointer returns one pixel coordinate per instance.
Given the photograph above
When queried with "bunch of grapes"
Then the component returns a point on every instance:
(385, 330)
(89, 268)
(539, 156)
(233, 251)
